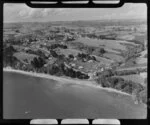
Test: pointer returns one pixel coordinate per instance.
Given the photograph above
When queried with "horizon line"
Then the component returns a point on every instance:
(144, 19)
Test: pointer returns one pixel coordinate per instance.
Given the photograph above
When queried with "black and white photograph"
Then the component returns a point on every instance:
(63, 63)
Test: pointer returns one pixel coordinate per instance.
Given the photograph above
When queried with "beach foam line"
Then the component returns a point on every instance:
(65, 80)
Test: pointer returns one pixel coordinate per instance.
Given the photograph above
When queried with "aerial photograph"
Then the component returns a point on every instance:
(75, 62)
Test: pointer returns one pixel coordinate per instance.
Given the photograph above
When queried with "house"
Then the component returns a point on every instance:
(102, 69)
(90, 61)
(75, 59)
(80, 67)
(90, 75)
(44, 44)
(73, 64)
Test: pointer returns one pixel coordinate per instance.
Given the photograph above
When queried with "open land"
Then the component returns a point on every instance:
(111, 55)
(65, 80)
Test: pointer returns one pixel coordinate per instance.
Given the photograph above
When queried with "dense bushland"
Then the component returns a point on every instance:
(105, 80)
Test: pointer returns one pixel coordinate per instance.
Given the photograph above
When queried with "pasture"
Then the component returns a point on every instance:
(114, 57)
(112, 44)
(104, 60)
(141, 60)
(24, 56)
(66, 52)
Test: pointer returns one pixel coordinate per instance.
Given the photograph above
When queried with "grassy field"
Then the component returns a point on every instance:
(113, 57)
(22, 56)
(104, 60)
(87, 67)
(124, 36)
(112, 50)
(112, 44)
(66, 52)
(126, 42)
(141, 38)
(141, 60)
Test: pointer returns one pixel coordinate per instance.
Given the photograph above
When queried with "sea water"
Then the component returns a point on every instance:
(26, 97)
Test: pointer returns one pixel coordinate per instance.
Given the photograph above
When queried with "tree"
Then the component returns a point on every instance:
(99, 51)
(71, 56)
(89, 49)
(53, 53)
(41, 54)
(107, 73)
(53, 69)
(9, 50)
(93, 58)
(143, 95)
(128, 88)
(102, 51)
(8, 57)
(61, 57)
(101, 80)
(10, 61)
(37, 62)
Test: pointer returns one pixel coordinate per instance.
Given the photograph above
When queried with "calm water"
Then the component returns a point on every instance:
(32, 97)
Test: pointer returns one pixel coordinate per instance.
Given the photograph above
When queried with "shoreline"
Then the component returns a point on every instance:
(65, 80)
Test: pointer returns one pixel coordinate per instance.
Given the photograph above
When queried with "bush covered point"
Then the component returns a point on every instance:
(129, 87)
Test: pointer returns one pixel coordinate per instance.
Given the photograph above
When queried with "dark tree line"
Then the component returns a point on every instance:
(54, 54)
(99, 51)
(58, 68)
(8, 58)
(61, 69)
(83, 56)
(105, 79)
(8, 50)
(54, 46)
(71, 56)
(38, 62)
(132, 52)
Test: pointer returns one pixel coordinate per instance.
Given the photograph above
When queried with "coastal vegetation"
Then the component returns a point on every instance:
(105, 79)
(92, 53)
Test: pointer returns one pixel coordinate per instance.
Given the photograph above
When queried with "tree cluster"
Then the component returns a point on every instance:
(38, 62)
(130, 87)
(89, 49)
(71, 56)
(54, 54)
(61, 69)
(83, 56)
(54, 46)
(8, 58)
(132, 53)
(99, 51)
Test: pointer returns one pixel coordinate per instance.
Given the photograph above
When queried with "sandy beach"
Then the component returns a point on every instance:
(65, 80)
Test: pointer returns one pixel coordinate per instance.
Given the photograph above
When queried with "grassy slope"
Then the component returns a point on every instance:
(22, 56)
(112, 44)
